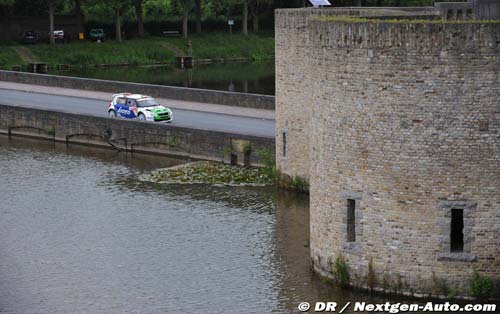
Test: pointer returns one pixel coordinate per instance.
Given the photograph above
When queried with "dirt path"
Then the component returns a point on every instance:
(26, 54)
(178, 51)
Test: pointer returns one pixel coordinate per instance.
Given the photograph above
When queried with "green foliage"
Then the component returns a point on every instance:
(224, 46)
(354, 19)
(7, 2)
(145, 51)
(227, 149)
(483, 287)
(247, 148)
(266, 157)
(212, 173)
(51, 131)
(9, 57)
(173, 141)
(439, 286)
(340, 270)
(299, 184)
(398, 284)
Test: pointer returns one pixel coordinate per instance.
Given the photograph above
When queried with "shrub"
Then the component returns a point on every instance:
(227, 149)
(341, 271)
(266, 157)
(481, 287)
(51, 131)
(247, 148)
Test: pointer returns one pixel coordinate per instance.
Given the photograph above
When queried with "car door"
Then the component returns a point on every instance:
(132, 108)
(121, 107)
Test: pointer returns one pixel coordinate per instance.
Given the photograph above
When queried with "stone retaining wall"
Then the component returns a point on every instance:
(131, 135)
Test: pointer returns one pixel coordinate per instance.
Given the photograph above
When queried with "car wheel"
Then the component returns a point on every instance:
(142, 117)
(112, 113)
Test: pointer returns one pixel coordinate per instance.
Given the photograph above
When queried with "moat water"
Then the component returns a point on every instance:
(79, 233)
(255, 78)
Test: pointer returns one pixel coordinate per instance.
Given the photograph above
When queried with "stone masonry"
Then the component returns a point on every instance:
(397, 126)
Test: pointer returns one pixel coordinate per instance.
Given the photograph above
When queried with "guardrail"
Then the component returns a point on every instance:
(159, 91)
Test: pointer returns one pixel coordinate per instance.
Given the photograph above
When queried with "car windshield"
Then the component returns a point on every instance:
(148, 103)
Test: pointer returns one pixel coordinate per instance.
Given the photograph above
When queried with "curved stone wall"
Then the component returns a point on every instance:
(404, 134)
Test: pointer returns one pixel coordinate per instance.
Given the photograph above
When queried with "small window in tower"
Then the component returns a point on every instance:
(284, 144)
(457, 228)
(351, 220)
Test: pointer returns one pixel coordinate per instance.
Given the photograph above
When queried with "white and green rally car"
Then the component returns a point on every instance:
(135, 106)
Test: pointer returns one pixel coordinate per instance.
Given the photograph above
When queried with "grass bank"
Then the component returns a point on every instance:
(9, 57)
(225, 46)
(147, 51)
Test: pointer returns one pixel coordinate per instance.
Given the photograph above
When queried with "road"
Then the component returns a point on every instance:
(182, 117)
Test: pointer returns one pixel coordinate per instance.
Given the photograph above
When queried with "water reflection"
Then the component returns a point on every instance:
(256, 78)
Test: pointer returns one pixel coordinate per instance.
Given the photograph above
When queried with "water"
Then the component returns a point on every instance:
(80, 234)
(256, 78)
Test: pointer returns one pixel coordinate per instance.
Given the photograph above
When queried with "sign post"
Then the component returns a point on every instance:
(230, 23)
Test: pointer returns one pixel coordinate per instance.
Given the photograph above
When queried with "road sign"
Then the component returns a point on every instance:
(317, 3)
(230, 22)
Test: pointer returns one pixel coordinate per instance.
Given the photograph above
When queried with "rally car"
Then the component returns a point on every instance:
(141, 107)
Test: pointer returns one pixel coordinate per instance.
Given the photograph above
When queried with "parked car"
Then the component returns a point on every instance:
(30, 37)
(141, 107)
(59, 36)
(97, 34)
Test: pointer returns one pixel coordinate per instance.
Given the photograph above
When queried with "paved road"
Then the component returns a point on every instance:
(182, 117)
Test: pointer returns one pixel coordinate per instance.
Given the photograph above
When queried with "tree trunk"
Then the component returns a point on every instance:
(254, 13)
(51, 23)
(185, 19)
(118, 25)
(79, 16)
(245, 17)
(198, 16)
(255, 23)
(138, 15)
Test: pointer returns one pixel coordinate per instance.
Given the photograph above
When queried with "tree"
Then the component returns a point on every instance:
(256, 8)
(245, 17)
(5, 7)
(118, 6)
(51, 22)
(138, 15)
(185, 15)
(197, 8)
(79, 15)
